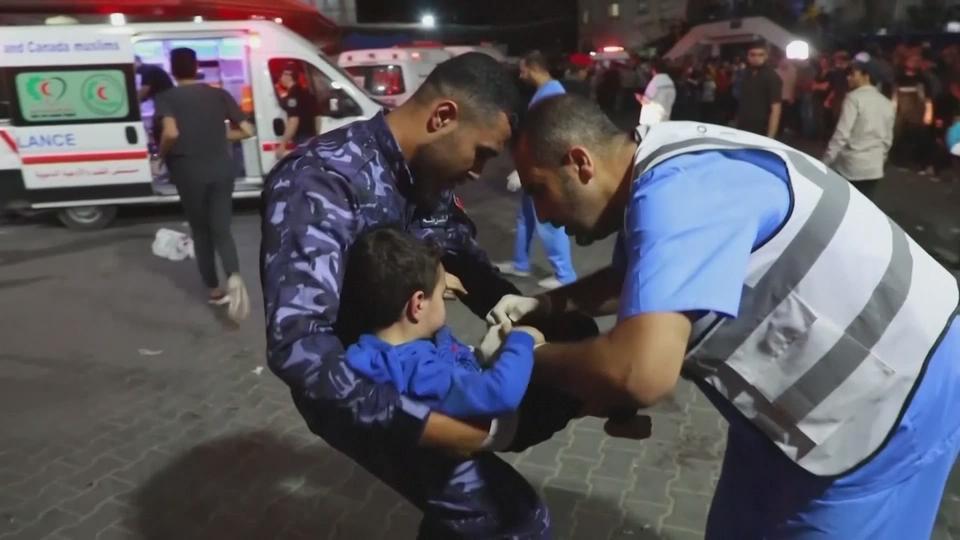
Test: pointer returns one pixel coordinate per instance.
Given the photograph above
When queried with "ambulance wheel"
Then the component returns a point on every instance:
(87, 218)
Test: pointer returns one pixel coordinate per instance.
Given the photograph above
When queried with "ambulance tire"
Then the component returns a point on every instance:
(87, 218)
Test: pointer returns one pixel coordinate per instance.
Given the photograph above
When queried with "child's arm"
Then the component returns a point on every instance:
(497, 390)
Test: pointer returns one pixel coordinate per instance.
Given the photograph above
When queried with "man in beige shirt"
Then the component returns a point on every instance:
(864, 134)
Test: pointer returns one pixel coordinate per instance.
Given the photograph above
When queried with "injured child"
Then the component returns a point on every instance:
(394, 296)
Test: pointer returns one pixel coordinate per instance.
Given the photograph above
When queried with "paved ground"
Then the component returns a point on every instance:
(128, 409)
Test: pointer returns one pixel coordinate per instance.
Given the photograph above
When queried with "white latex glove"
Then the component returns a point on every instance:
(502, 431)
(513, 182)
(490, 344)
(510, 309)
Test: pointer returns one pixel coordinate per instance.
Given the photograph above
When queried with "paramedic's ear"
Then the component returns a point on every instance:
(416, 306)
(444, 116)
(580, 157)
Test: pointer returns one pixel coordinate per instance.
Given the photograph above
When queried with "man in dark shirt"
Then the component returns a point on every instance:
(761, 93)
(196, 147)
(153, 80)
(300, 107)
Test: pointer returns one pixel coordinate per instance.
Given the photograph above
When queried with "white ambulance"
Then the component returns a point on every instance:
(392, 75)
(73, 136)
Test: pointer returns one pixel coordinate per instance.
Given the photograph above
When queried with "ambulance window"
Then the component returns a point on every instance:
(329, 98)
(71, 95)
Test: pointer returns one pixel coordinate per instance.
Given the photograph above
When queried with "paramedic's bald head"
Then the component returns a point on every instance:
(556, 124)
(575, 163)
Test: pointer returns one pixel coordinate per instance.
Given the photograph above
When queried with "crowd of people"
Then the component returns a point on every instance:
(923, 85)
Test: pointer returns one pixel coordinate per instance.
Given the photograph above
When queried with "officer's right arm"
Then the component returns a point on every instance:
(308, 226)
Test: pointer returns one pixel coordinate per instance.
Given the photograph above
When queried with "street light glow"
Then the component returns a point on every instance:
(798, 50)
(428, 21)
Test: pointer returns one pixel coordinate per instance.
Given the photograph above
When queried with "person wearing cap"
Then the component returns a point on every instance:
(864, 134)
(823, 333)
(299, 105)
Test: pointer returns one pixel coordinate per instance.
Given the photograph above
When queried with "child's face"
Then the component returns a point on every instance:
(434, 314)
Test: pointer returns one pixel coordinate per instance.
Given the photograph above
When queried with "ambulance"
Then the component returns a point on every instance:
(392, 75)
(75, 139)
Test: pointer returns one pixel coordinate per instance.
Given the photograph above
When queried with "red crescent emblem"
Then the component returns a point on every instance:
(101, 93)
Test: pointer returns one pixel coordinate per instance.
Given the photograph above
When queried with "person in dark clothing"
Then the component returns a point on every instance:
(885, 71)
(153, 80)
(761, 94)
(576, 80)
(838, 88)
(196, 147)
(913, 97)
(300, 107)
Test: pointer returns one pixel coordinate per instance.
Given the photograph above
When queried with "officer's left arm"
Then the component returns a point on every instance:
(636, 364)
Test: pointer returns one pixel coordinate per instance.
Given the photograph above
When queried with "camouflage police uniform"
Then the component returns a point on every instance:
(316, 202)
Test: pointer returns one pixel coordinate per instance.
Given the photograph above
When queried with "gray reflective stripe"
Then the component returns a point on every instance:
(836, 366)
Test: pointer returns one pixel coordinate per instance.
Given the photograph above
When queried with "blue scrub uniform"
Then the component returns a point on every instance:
(691, 226)
(556, 243)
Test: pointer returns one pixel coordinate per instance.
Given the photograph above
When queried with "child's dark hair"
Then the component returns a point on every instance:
(385, 267)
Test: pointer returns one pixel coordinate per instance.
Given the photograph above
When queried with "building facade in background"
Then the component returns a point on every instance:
(340, 11)
(627, 23)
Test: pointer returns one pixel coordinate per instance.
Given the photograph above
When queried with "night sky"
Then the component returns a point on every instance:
(473, 12)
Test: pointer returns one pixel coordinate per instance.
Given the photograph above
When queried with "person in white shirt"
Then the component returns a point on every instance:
(658, 98)
(864, 134)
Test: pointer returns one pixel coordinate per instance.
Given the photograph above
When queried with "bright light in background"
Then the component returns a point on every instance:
(953, 27)
(613, 48)
(798, 50)
(118, 19)
(198, 19)
(278, 20)
(593, 53)
(428, 21)
(60, 19)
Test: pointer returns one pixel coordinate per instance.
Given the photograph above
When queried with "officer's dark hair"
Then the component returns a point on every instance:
(183, 63)
(385, 267)
(758, 44)
(477, 82)
(555, 124)
(537, 60)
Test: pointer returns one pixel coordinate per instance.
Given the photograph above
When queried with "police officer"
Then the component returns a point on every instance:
(397, 169)
(824, 334)
(300, 107)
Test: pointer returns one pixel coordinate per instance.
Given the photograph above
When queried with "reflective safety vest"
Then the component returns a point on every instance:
(840, 312)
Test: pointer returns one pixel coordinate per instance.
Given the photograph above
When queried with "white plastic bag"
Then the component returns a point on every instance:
(173, 245)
